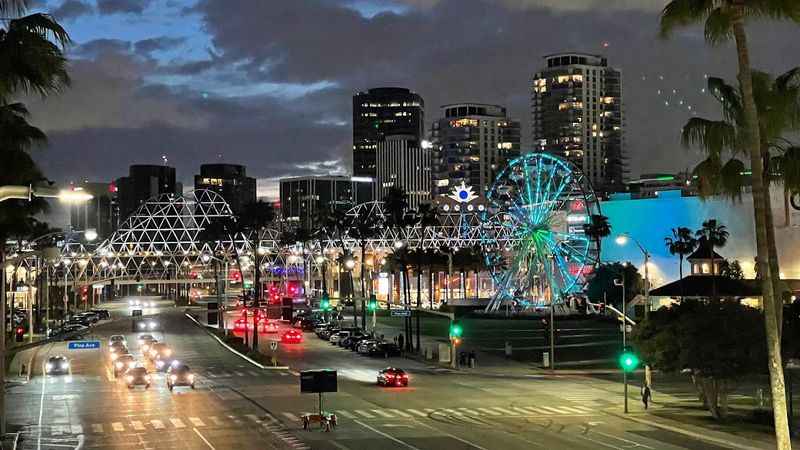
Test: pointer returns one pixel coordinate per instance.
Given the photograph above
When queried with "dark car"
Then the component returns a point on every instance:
(365, 345)
(355, 341)
(80, 320)
(93, 317)
(306, 323)
(137, 376)
(158, 349)
(103, 314)
(328, 332)
(68, 330)
(385, 349)
(163, 362)
(348, 341)
(123, 363)
(57, 365)
(180, 375)
(392, 376)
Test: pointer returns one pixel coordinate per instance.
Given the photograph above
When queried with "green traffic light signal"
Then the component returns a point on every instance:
(628, 361)
(373, 303)
(455, 329)
(325, 302)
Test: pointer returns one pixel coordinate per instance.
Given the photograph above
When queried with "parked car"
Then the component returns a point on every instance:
(365, 345)
(328, 332)
(103, 314)
(352, 344)
(348, 341)
(384, 349)
(335, 338)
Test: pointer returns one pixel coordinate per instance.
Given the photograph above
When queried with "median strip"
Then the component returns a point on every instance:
(243, 356)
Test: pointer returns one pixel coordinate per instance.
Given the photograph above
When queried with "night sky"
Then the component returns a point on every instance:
(268, 83)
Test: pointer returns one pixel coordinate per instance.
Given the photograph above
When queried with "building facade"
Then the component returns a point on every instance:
(471, 143)
(382, 112)
(404, 162)
(577, 113)
(142, 183)
(304, 199)
(96, 214)
(230, 181)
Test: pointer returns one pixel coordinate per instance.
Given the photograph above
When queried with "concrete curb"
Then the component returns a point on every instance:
(245, 357)
(695, 435)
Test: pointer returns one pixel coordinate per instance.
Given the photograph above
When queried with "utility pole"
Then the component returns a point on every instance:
(624, 337)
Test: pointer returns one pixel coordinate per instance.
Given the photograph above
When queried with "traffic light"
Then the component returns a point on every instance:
(20, 332)
(628, 360)
(325, 302)
(373, 303)
(456, 330)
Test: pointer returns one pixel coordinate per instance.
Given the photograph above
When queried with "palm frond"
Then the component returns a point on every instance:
(15, 7)
(708, 174)
(42, 24)
(728, 96)
(732, 179)
(789, 167)
(681, 13)
(712, 136)
(16, 134)
(773, 9)
(718, 26)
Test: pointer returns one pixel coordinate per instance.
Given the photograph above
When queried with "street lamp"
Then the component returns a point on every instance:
(29, 192)
(90, 234)
(622, 240)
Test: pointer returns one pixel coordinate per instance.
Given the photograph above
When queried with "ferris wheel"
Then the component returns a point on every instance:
(533, 233)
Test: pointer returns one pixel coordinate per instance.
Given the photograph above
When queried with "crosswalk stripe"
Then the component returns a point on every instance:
(157, 424)
(419, 413)
(555, 410)
(117, 426)
(471, 412)
(216, 421)
(291, 416)
(364, 413)
(197, 422)
(503, 410)
(452, 411)
(382, 413)
(571, 409)
(400, 413)
(584, 408)
(489, 412)
(177, 423)
(137, 425)
(535, 410)
(346, 414)
(97, 428)
(519, 410)
(238, 374)
(77, 429)
(59, 429)
(253, 417)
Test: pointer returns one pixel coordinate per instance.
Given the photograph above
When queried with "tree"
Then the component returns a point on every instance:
(253, 220)
(681, 243)
(396, 206)
(714, 235)
(598, 227)
(427, 218)
(601, 286)
(717, 342)
(725, 19)
(731, 269)
(362, 227)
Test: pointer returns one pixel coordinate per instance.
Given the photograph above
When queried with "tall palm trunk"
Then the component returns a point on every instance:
(779, 410)
(777, 289)
(419, 294)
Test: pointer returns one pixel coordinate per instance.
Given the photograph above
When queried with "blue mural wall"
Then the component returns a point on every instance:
(651, 220)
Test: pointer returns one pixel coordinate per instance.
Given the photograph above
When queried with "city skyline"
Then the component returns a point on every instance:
(154, 78)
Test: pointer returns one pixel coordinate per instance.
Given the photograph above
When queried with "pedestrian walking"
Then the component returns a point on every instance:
(646, 396)
(400, 341)
(648, 379)
(508, 350)
(472, 359)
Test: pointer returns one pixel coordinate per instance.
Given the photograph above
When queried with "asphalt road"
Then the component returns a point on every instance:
(239, 406)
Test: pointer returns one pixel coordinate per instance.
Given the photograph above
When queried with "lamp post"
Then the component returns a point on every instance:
(622, 240)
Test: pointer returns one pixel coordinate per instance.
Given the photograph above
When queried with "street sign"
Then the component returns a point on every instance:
(401, 312)
(83, 345)
(273, 345)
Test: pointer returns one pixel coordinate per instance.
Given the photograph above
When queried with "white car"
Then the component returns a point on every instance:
(134, 303)
(339, 336)
(147, 325)
(117, 338)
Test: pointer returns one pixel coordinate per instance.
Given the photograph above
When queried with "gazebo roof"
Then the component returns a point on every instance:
(705, 252)
(706, 286)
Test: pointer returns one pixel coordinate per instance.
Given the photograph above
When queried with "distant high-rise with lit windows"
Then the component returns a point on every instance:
(577, 113)
(381, 112)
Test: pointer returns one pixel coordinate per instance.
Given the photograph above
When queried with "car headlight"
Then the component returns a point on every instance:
(173, 377)
(114, 356)
(120, 365)
(152, 325)
(129, 378)
(48, 366)
(167, 352)
(145, 347)
(159, 364)
(141, 326)
(191, 377)
(132, 364)
(147, 378)
(153, 353)
(65, 365)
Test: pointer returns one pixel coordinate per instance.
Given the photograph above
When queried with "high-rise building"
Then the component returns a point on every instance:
(577, 114)
(382, 112)
(403, 162)
(143, 183)
(472, 142)
(305, 199)
(230, 181)
(98, 213)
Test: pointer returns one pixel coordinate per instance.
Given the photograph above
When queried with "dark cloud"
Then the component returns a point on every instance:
(122, 6)
(147, 46)
(71, 9)
(97, 47)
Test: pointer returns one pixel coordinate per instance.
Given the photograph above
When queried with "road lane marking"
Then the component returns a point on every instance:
(387, 436)
(635, 444)
(346, 414)
(503, 410)
(238, 374)
(364, 413)
(556, 410)
(585, 408)
(382, 413)
(157, 424)
(453, 436)
(117, 426)
(97, 428)
(137, 425)
(416, 412)
(489, 412)
(470, 411)
(177, 423)
(253, 373)
(196, 422)
(291, 416)
(204, 439)
(519, 410)
(400, 413)
(535, 410)
(216, 421)
(571, 409)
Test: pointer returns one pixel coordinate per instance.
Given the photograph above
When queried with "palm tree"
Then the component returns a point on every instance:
(597, 228)
(396, 206)
(362, 227)
(681, 243)
(254, 218)
(712, 235)
(725, 19)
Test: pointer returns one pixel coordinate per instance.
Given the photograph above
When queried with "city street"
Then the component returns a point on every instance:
(238, 405)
